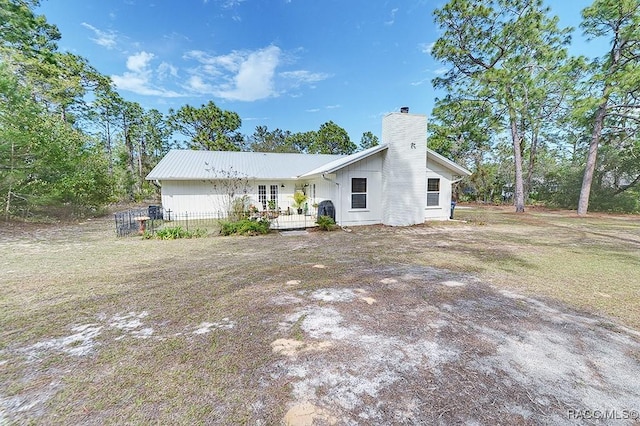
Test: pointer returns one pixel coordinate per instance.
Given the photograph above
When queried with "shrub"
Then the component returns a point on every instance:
(245, 227)
(176, 232)
(325, 223)
(239, 206)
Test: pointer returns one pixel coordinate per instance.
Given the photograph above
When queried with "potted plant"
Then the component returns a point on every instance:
(299, 198)
(272, 213)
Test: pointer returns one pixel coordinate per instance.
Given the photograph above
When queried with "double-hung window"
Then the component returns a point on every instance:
(433, 192)
(358, 193)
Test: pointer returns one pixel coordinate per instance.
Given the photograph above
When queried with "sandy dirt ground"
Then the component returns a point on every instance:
(373, 344)
(424, 346)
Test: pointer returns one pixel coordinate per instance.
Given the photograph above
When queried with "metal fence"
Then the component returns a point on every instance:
(137, 221)
(150, 219)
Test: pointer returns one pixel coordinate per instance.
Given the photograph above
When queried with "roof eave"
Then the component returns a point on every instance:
(354, 158)
(448, 163)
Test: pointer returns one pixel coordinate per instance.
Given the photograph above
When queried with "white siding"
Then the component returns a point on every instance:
(325, 190)
(205, 197)
(403, 169)
(443, 211)
(372, 214)
(193, 197)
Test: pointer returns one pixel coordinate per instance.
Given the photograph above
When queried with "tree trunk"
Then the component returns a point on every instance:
(7, 208)
(532, 160)
(518, 196)
(131, 169)
(583, 202)
(109, 150)
(601, 113)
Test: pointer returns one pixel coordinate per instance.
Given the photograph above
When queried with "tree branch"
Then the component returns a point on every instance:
(631, 185)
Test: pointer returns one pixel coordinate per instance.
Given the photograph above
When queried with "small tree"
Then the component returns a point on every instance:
(208, 127)
(299, 198)
(234, 186)
(368, 140)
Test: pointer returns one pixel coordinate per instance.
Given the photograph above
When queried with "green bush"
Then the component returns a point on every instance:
(325, 223)
(176, 232)
(245, 227)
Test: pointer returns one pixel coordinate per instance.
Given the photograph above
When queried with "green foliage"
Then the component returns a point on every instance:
(368, 140)
(176, 232)
(611, 101)
(21, 30)
(562, 189)
(45, 164)
(299, 198)
(245, 227)
(462, 130)
(302, 141)
(239, 207)
(208, 127)
(332, 139)
(276, 140)
(325, 223)
(511, 55)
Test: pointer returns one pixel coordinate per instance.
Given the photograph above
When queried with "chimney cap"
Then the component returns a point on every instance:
(404, 110)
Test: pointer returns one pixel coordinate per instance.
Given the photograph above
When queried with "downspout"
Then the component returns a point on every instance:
(452, 202)
(339, 198)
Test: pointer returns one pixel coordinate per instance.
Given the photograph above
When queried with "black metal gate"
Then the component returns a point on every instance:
(137, 221)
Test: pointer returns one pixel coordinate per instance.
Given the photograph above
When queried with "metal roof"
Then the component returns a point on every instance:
(444, 161)
(181, 164)
(350, 159)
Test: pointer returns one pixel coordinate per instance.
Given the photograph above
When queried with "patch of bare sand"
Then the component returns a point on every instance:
(307, 414)
(445, 348)
(291, 347)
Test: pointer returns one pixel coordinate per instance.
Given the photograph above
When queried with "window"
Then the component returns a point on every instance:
(433, 192)
(358, 193)
(262, 196)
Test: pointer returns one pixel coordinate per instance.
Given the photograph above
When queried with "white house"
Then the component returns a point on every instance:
(399, 182)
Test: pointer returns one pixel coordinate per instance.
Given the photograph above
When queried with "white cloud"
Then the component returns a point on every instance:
(254, 79)
(246, 75)
(427, 47)
(196, 84)
(212, 64)
(440, 71)
(239, 75)
(229, 4)
(333, 106)
(139, 62)
(139, 77)
(300, 77)
(103, 38)
(393, 17)
(420, 82)
(166, 69)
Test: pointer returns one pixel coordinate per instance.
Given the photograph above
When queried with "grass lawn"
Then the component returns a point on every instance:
(100, 330)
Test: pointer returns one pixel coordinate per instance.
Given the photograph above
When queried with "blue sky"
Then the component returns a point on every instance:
(288, 64)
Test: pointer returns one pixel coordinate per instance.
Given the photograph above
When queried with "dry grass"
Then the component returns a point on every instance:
(57, 277)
